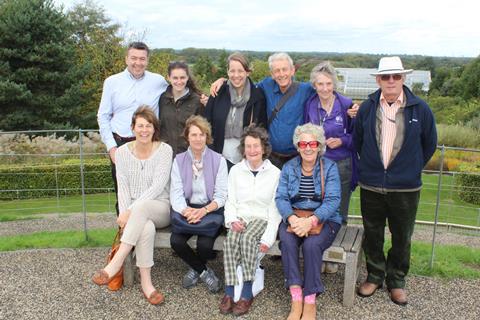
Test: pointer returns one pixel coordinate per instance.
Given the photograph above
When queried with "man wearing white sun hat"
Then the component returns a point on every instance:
(395, 136)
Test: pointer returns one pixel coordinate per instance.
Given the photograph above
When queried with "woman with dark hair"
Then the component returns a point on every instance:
(251, 216)
(143, 175)
(238, 104)
(176, 104)
(198, 192)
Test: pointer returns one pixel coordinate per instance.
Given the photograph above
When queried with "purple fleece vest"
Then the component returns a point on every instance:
(211, 163)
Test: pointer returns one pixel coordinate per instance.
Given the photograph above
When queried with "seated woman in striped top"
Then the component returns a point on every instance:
(308, 195)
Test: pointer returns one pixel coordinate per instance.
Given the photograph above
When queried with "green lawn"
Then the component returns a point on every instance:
(60, 239)
(28, 208)
(451, 209)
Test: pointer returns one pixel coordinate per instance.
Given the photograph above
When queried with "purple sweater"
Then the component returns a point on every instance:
(337, 125)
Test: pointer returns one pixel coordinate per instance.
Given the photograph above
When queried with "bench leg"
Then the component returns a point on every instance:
(128, 271)
(350, 282)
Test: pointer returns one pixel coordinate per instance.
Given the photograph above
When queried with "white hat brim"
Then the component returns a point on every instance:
(397, 71)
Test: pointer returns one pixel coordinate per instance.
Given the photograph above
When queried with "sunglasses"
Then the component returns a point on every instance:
(305, 144)
(386, 77)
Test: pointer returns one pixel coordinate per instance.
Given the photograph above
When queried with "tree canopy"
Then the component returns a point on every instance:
(39, 80)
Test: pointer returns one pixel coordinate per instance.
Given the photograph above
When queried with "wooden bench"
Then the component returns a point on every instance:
(345, 249)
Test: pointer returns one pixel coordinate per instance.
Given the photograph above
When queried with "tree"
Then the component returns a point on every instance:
(470, 80)
(205, 72)
(222, 64)
(260, 70)
(39, 83)
(99, 52)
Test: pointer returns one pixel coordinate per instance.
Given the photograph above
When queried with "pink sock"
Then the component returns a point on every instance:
(310, 299)
(296, 293)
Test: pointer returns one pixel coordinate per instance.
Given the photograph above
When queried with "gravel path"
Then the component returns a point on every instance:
(107, 220)
(55, 284)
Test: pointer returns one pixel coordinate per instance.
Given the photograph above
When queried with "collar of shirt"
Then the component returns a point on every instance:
(398, 103)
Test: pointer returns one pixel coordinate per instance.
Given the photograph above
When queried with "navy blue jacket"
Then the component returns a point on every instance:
(420, 142)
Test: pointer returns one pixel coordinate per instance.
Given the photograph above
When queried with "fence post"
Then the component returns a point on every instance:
(478, 220)
(442, 155)
(56, 182)
(82, 179)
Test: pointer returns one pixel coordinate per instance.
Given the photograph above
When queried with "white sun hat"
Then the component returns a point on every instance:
(390, 65)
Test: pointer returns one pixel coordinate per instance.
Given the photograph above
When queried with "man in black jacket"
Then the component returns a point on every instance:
(395, 136)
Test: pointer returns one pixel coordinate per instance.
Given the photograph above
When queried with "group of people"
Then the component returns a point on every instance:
(277, 157)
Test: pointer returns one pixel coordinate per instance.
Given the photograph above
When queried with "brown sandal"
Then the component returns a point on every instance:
(155, 297)
(101, 277)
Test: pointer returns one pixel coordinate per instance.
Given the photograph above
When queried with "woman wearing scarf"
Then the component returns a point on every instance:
(238, 104)
(198, 192)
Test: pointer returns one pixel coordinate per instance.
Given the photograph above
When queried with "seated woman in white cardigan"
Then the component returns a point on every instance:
(143, 174)
(250, 215)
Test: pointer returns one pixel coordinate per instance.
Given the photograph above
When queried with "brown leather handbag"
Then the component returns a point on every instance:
(308, 213)
(117, 281)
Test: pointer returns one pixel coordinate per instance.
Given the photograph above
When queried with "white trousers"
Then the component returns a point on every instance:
(146, 216)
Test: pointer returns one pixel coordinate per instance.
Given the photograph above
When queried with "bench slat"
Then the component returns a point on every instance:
(340, 236)
(357, 246)
(349, 239)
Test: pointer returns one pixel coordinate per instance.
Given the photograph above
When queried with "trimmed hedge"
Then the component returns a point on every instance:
(468, 183)
(45, 177)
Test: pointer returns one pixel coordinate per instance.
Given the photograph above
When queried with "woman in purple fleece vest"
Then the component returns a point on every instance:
(198, 192)
(329, 109)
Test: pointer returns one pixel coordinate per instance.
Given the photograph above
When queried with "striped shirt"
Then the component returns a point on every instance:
(389, 128)
(307, 189)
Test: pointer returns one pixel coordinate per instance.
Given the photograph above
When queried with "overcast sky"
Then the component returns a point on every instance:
(437, 28)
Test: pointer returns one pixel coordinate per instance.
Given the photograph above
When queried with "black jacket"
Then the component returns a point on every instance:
(217, 110)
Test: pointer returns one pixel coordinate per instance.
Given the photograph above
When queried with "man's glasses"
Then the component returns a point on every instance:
(386, 77)
(305, 144)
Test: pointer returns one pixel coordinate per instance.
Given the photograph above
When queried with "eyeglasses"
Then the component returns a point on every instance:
(386, 77)
(305, 144)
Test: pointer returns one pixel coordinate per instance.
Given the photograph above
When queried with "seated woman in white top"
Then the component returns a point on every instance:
(143, 175)
(250, 215)
(198, 192)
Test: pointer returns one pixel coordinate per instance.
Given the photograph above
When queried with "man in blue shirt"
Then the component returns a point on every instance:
(281, 124)
(122, 94)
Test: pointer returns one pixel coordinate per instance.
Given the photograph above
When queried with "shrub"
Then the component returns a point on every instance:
(458, 136)
(452, 159)
(468, 183)
(22, 148)
(43, 180)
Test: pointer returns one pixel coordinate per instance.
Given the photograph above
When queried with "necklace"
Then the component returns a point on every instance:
(142, 158)
(327, 112)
